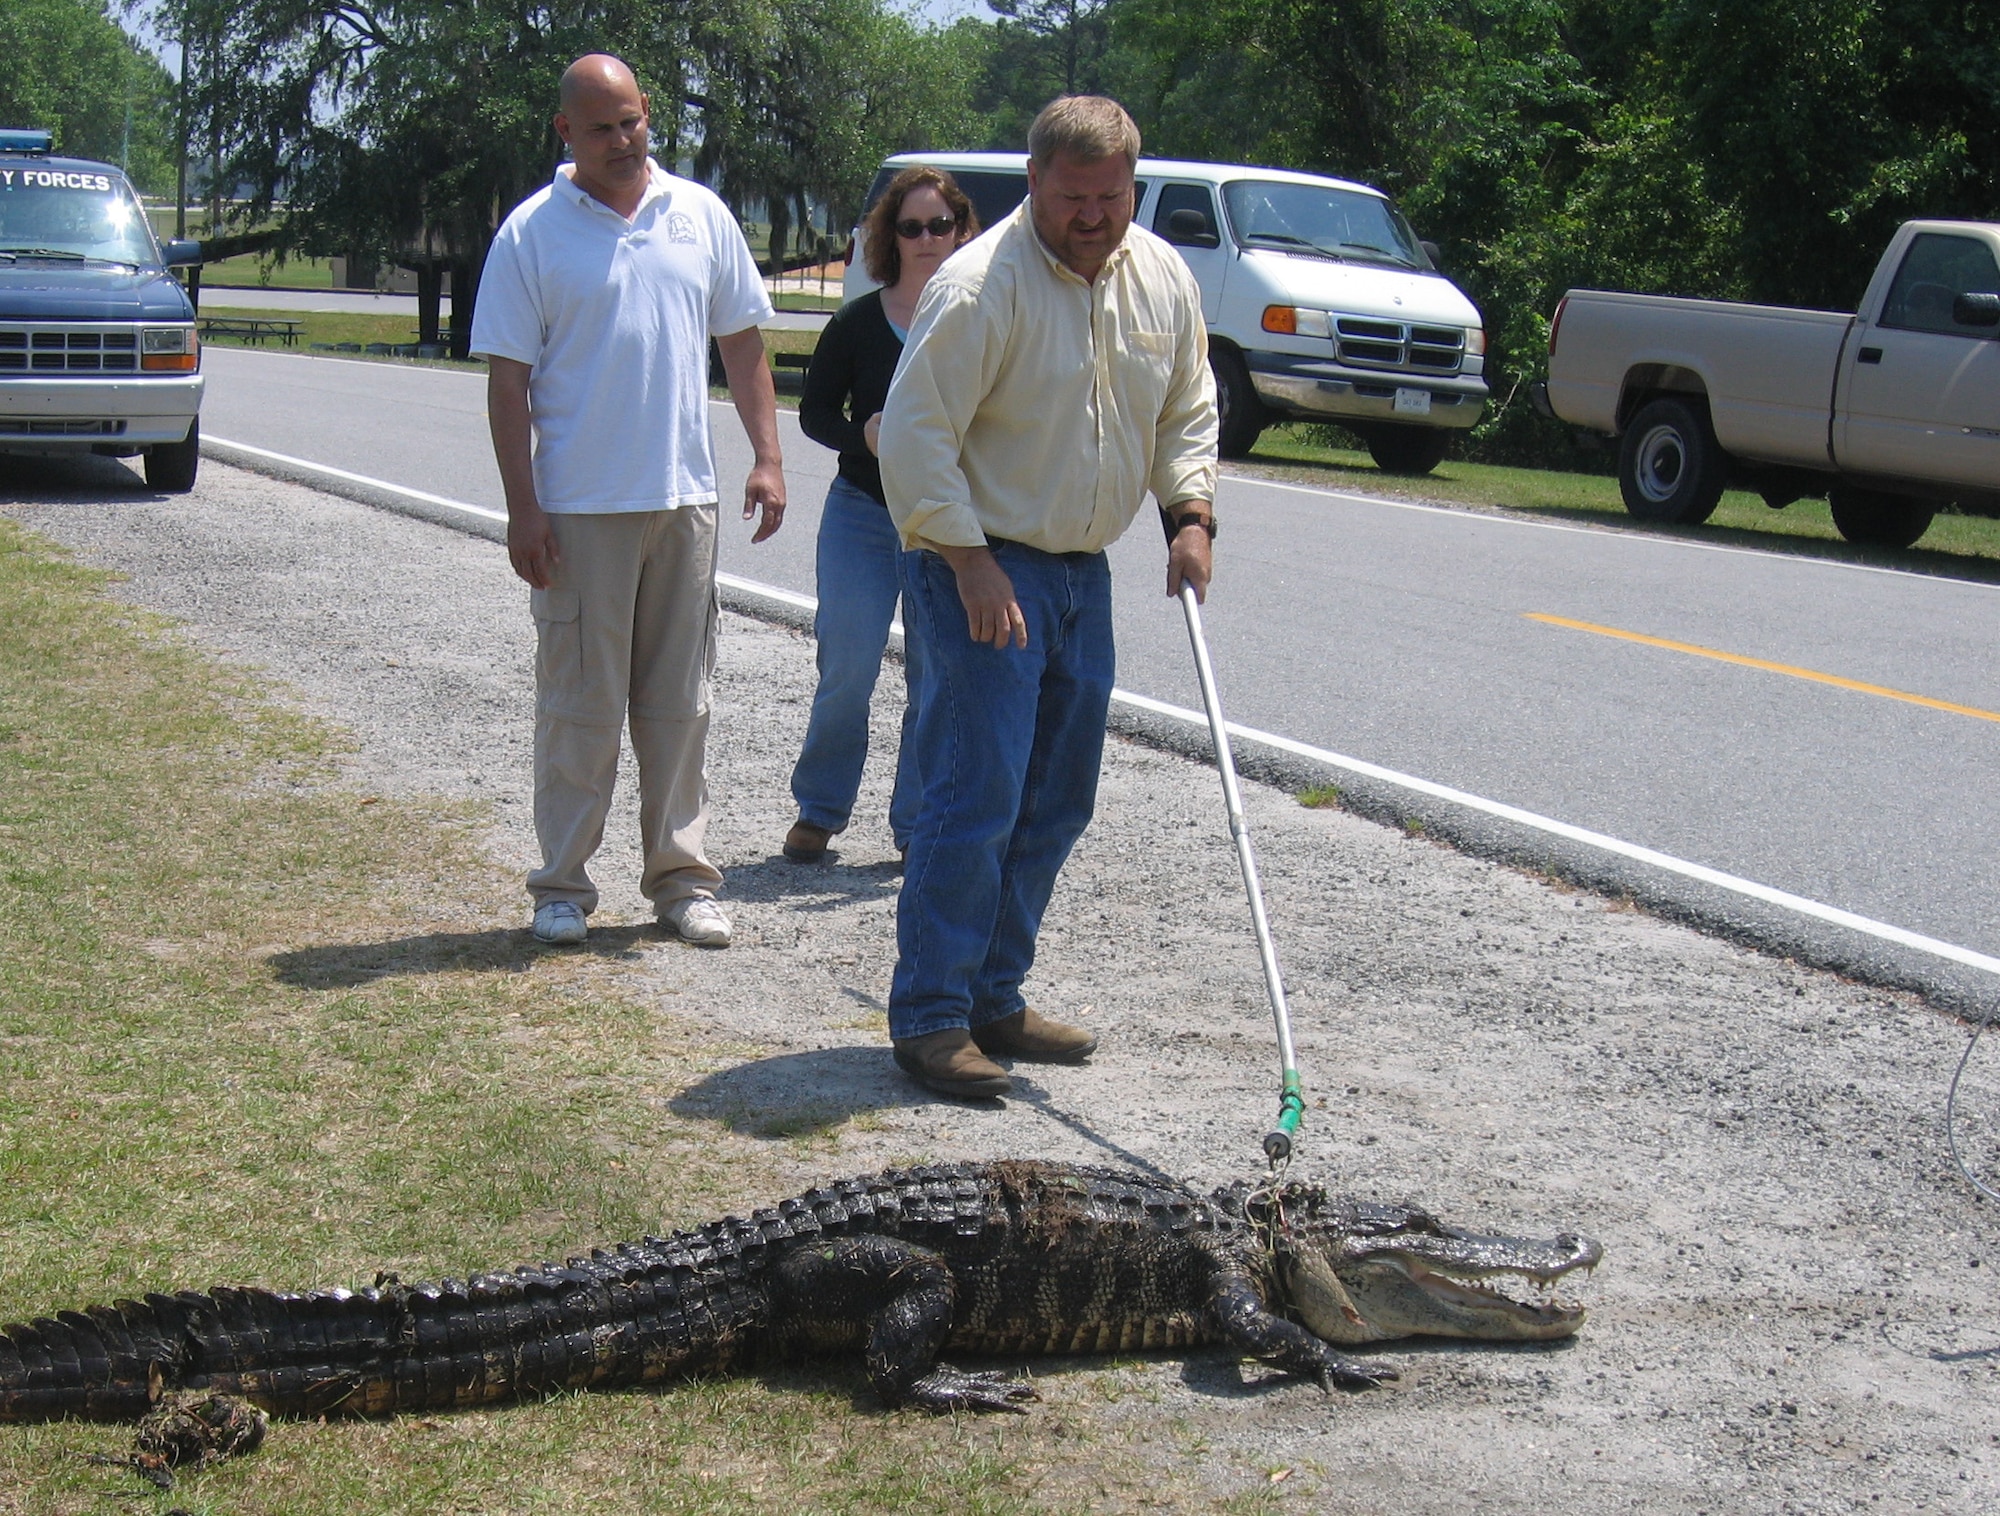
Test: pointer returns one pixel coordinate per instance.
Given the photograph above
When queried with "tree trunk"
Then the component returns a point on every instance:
(465, 273)
(779, 209)
(430, 283)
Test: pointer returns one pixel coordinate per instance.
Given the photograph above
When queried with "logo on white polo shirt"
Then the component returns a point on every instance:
(680, 227)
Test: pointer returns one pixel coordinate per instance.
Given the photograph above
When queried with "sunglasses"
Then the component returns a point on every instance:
(937, 226)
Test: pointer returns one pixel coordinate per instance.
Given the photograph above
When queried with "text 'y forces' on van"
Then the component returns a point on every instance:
(1321, 303)
(98, 352)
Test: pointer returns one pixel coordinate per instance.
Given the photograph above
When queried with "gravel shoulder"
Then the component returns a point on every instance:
(1795, 1312)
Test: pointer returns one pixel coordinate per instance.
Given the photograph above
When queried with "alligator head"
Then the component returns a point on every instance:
(1355, 1271)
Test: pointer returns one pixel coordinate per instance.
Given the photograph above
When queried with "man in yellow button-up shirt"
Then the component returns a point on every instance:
(1056, 372)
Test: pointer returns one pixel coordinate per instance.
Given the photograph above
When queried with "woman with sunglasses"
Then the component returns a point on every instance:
(916, 223)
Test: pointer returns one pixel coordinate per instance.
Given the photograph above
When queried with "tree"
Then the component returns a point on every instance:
(66, 65)
(400, 134)
(407, 129)
(1039, 49)
(801, 109)
(1825, 123)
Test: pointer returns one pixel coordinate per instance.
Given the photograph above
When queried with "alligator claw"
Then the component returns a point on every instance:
(1350, 1375)
(944, 1389)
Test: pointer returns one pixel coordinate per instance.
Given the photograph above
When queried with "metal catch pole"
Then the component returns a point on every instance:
(1291, 1100)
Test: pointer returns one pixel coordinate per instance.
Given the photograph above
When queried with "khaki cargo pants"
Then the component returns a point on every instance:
(625, 632)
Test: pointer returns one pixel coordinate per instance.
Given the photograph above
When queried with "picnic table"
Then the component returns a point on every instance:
(257, 329)
(788, 370)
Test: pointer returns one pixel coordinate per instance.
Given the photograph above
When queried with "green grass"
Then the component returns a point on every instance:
(792, 300)
(1305, 454)
(258, 1026)
(322, 326)
(341, 326)
(258, 269)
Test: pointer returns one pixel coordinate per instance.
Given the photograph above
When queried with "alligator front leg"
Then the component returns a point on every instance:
(899, 1298)
(1245, 1322)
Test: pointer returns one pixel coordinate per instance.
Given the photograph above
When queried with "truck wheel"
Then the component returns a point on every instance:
(1670, 467)
(1407, 449)
(1243, 415)
(1877, 518)
(171, 466)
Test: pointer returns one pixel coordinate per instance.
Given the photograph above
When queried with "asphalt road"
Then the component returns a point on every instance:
(1405, 636)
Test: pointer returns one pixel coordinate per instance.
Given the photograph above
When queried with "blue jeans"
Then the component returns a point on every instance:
(858, 585)
(1008, 742)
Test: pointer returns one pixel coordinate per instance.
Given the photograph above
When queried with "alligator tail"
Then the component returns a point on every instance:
(108, 1363)
(639, 1313)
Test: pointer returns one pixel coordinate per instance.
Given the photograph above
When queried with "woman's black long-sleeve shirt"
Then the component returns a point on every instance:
(847, 383)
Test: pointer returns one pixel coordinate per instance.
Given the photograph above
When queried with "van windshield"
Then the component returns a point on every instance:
(1316, 219)
(993, 193)
(71, 216)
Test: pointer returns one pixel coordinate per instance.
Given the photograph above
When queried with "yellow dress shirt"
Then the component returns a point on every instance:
(1033, 406)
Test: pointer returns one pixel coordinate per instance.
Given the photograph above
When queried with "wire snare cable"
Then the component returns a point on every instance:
(1291, 1100)
(1951, 1116)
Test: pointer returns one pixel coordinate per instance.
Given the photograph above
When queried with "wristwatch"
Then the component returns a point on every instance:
(1183, 519)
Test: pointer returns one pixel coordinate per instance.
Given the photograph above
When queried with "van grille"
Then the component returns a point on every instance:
(1369, 342)
(11, 426)
(69, 350)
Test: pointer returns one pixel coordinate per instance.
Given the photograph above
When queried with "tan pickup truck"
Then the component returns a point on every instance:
(1889, 413)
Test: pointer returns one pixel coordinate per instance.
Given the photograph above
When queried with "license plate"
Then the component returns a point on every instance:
(1413, 402)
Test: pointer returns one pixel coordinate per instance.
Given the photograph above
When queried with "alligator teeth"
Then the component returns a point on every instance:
(1473, 1291)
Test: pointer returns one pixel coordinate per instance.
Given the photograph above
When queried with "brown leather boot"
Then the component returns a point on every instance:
(946, 1062)
(806, 843)
(1034, 1038)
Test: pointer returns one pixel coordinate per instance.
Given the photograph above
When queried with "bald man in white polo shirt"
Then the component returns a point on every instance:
(595, 311)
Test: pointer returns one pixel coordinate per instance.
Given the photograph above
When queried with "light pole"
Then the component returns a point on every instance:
(181, 115)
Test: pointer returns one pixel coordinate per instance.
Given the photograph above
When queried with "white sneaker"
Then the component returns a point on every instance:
(699, 920)
(560, 922)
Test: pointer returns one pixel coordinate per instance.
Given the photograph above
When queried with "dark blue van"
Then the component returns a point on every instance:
(97, 340)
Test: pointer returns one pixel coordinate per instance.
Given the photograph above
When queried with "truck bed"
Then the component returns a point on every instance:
(1768, 371)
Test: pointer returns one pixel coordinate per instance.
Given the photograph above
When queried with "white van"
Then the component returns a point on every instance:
(1321, 302)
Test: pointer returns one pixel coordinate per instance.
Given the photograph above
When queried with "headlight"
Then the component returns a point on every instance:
(1295, 321)
(169, 350)
(1475, 341)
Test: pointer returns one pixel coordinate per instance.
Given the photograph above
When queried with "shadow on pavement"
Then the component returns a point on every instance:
(800, 1094)
(27, 480)
(824, 886)
(811, 1092)
(1937, 563)
(345, 965)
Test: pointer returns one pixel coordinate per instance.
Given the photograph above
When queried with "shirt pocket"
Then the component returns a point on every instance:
(1142, 384)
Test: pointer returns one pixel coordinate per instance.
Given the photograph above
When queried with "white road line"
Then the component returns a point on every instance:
(1701, 873)
(1653, 539)
(784, 597)
(1696, 871)
(483, 512)
(1349, 496)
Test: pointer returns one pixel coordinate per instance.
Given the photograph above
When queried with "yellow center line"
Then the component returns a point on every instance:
(1768, 667)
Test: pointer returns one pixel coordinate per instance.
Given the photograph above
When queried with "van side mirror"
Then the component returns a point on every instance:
(1976, 310)
(1190, 228)
(179, 254)
(1431, 252)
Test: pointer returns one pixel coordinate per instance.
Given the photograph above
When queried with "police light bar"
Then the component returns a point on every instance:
(25, 140)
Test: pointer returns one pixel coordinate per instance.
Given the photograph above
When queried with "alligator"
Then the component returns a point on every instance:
(993, 1259)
